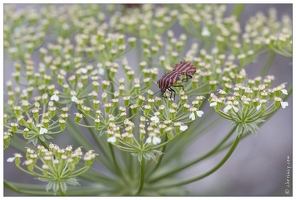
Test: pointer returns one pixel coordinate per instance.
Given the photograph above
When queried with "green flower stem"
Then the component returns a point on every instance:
(268, 63)
(61, 191)
(32, 173)
(142, 176)
(95, 177)
(77, 172)
(161, 156)
(20, 144)
(86, 126)
(118, 169)
(71, 128)
(35, 191)
(281, 51)
(238, 10)
(180, 144)
(188, 164)
(184, 182)
(99, 143)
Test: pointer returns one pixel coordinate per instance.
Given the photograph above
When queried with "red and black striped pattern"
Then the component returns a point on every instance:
(185, 68)
(167, 80)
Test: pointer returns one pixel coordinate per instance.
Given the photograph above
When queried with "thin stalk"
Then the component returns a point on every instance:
(24, 191)
(142, 176)
(187, 139)
(78, 136)
(43, 143)
(268, 63)
(188, 164)
(238, 10)
(98, 142)
(61, 191)
(190, 180)
(34, 189)
(161, 156)
(118, 170)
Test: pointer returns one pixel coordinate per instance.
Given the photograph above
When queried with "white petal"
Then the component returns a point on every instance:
(148, 140)
(101, 71)
(235, 109)
(205, 32)
(74, 99)
(111, 139)
(199, 113)
(83, 70)
(258, 107)
(54, 97)
(156, 140)
(155, 119)
(227, 108)
(284, 104)
(192, 116)
(284, 91)
(10, 159)
(213, 104)
(183, 127)
(42, 131)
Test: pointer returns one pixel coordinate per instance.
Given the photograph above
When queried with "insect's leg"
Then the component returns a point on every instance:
(188, 76)
(180, 86)
(172, 92)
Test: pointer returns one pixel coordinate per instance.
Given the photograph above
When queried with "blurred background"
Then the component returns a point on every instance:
(258, 166)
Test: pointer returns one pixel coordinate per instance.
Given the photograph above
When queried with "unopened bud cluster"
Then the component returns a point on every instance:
(55, 165)
(250, 102)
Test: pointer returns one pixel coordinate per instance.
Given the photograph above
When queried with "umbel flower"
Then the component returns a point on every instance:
(58, 166)
(249, 104)
(95, 85)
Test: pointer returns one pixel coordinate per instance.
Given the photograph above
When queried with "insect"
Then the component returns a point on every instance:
(168, 80)
(185, 68)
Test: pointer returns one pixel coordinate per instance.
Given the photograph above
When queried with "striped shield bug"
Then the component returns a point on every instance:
(167, 81)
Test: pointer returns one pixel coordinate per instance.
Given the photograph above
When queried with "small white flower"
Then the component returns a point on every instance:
(192, 116)
(101, 71)
(42, 131)
(155, 140)
(235, 109)
(205, 32)
(74, 99)
(54, 97)
(83, 70)
(258, 107)
(199, 113)
(112, 139)
(155, 119)
(284, 91)
(267, 41)
(227, 108)
(213, 104)
(284, 104)
(148, 140)
(183, 127)
(11, 159)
